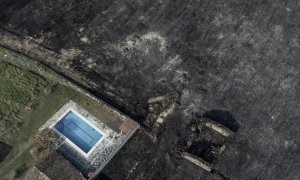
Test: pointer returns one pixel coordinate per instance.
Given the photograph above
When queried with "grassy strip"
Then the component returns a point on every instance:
(30, 65)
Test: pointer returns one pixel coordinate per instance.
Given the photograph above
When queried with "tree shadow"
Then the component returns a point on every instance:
(4, 150)
(223, 117)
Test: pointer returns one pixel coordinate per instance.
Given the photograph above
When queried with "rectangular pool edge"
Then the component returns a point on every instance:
(82, 134)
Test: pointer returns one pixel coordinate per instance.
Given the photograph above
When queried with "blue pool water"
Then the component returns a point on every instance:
(78, 131)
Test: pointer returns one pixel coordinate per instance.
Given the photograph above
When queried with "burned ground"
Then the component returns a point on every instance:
(234, 56)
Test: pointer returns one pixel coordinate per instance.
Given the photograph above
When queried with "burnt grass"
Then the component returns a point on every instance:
(238, 56)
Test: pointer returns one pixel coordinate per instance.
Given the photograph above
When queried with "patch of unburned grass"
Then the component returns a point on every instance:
(17, 88)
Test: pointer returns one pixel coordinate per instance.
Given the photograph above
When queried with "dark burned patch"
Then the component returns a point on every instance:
(207, 150)
(182, 144)
(103, 176)
(14, 4)
(223, 117)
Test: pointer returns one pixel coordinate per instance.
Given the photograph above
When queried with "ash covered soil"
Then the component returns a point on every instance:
(235, 61)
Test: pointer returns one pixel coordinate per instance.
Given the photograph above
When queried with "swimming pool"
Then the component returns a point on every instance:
(78, 131)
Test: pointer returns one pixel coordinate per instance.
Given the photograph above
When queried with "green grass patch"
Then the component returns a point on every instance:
(17, 88)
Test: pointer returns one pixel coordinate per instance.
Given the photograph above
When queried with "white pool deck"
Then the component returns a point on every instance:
(101, 153)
